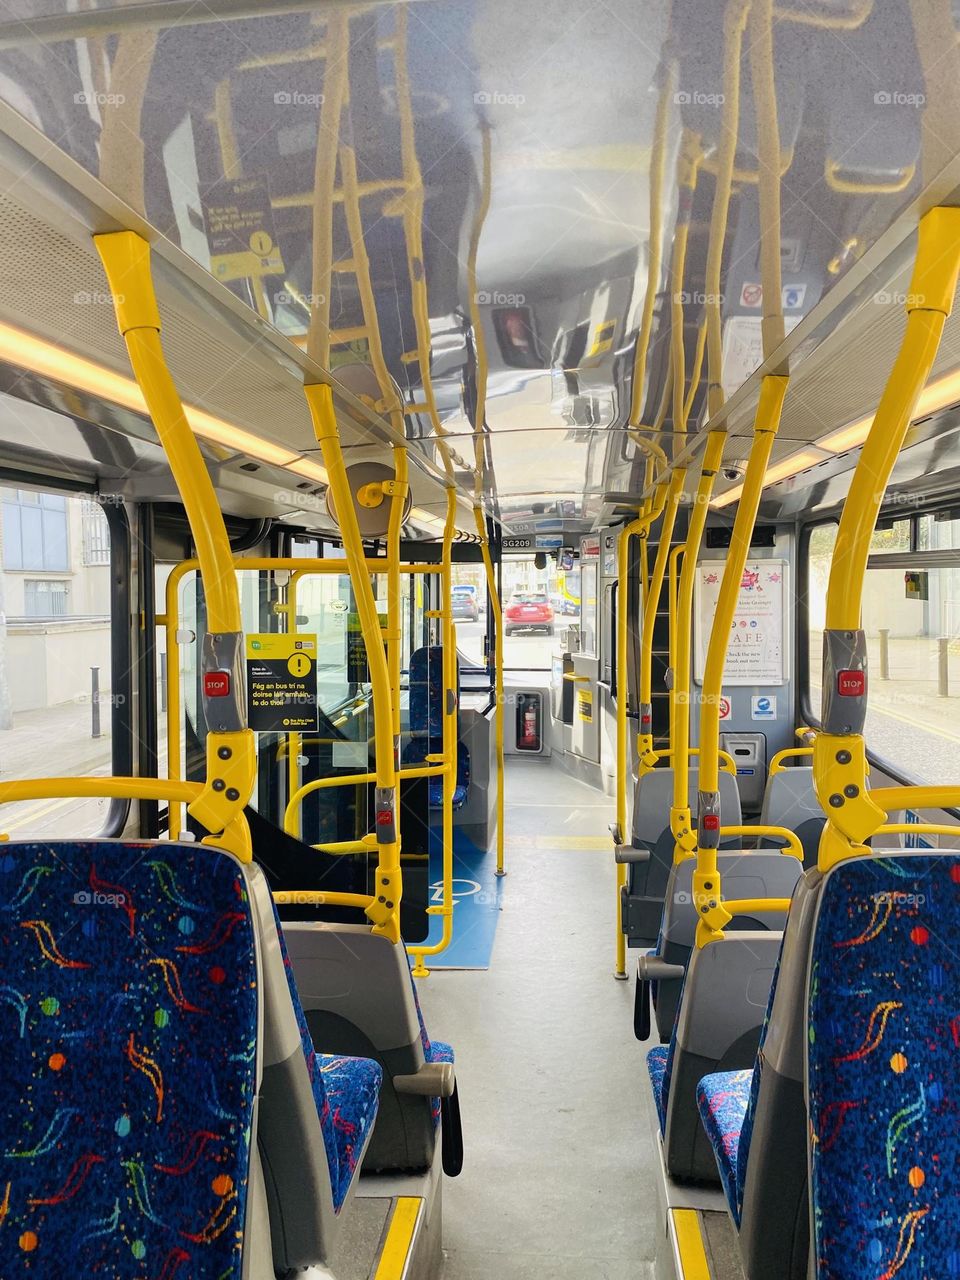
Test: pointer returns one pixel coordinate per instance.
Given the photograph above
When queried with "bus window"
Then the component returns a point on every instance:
(469, 603)
(534, 613)
(57, 694)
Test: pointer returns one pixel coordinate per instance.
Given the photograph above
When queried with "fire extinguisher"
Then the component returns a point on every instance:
(529, 739)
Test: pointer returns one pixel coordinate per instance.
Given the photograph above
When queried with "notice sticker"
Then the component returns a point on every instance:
(281, 682)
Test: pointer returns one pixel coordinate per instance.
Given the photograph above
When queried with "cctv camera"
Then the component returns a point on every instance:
(735, 470)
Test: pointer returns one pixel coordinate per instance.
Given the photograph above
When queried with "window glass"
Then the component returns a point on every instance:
(911, 617)
(533, 614)
(469, 604)
(56, 696)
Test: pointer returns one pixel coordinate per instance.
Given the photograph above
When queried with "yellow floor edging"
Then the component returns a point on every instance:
(693, 1256)
(396, 1247)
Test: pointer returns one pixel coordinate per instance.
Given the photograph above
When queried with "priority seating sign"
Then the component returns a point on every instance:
(282, 682)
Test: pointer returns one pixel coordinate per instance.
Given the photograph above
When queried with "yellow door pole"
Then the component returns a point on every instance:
(839, 753)
(500, 710)
(450, 743)
(682, 684)
(384, 911)
(230, 752)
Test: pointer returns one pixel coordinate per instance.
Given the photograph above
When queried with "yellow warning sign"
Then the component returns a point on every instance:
(240, 230)
(585, 704)
(281, 682)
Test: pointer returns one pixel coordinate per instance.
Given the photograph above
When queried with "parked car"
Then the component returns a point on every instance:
(464, 602)
(528, 611)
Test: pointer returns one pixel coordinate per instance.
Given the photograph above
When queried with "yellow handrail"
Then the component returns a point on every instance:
(346, 780)
(384, 910)
(230, 751)
(500, 711)
(777, 765)
(726, 762)
(839, 753)
(918, 828)
(789, 838)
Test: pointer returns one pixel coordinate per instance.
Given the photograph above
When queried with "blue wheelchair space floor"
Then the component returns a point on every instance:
(477, 904)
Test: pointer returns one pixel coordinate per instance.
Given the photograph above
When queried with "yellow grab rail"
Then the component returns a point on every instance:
(839, 753)
(777, 765)
(726, 762)
(236, 840)
(230, 750)
(752, 907)
(383, 909)
(500, 712)
(791, 841)
(918, 829)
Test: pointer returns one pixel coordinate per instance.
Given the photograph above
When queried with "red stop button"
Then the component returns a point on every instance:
(216, 684)
(851, 684)
(711, 822)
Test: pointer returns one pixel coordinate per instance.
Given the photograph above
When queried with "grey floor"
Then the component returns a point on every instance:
(559, 1165)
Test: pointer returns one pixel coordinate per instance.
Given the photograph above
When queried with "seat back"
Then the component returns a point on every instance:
(746, 873)
(647, 881)
(131, 1001)
(790, 801)
(358, 999)
(883, 1068)
(155, 1033)
(718, 1028)
(772, 1162)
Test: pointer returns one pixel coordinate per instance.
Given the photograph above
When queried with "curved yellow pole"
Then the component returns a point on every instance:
(450, 744)
(500, 711)
(688, 167)
(706, 879)
(681, 686)
(839, 752)
(384, 912)
(230, 751)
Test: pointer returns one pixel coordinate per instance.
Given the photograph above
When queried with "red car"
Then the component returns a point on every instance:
(529, 611)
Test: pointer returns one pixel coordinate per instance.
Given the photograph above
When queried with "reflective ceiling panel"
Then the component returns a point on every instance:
(449, 200)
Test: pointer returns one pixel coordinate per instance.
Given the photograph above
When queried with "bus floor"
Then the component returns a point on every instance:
(559, 1171)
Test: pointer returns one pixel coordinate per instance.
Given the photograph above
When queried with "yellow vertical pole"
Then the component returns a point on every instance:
(450, 744)
(682, 684)
(499, 713)
(231, 762)
(839, 752)
(675, 555)
(384, 911)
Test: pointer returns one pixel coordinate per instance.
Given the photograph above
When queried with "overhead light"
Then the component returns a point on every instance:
(310, 470)
(38, 356)
(937, 395)
(425, 518)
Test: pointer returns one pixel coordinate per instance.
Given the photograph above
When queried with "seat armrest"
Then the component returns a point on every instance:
(653, 969)
(628, 853)
(433, 1080)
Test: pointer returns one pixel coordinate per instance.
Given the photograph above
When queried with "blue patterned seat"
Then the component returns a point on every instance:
(347, 1094)
(426, 723)
(883, 1067)
(657, 1062)
(129, 1011)
(722, 1099)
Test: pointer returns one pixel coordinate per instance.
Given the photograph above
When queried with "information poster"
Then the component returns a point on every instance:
(240, 230)
(282, 682)
(755, 654)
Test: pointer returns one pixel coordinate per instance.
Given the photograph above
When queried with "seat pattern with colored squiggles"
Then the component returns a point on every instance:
(129, 1020)
(883, 1068)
